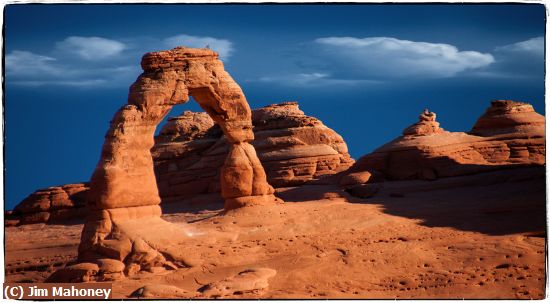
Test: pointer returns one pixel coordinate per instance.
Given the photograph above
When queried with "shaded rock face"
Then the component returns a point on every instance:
(51, 205)
(509, 133)
(293, 148)
(188, 126)
(124, 221)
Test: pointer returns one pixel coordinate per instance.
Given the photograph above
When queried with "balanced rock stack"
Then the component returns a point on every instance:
(509, 133)
(425, 126)
(293, 148)
(124, 221)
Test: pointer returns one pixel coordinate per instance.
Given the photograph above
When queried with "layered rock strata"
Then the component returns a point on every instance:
(293, 148)
(191, 149)
(124, 222)
(51, 205)
(509, 133)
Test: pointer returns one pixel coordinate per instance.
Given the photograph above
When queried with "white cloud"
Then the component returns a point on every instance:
(95, 61)
(23, 63)
(91, 48)
(222, 46)
(523, 60)
(386, 57)
(312, 79)
(533, 45)
(29, 69)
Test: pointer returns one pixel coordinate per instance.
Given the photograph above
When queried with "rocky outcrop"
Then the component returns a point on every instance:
(51, 205)
(293, 148)
(191, 149)
(510, 118)
(124, 221)
(508, 134)
(426, 125)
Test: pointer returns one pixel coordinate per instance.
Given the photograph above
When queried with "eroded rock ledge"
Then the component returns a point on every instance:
(508, 134)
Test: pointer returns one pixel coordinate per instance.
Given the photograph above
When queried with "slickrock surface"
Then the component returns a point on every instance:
(509, 133)
(53, 204)
(477, 236)
(247, 281)
(293, 148)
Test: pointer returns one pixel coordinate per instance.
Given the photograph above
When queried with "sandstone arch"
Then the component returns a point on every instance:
(124, 221)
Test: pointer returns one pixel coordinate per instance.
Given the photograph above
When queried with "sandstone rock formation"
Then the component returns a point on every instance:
(124, 220)
(190, 150)
(52, 204)
(510, 118)
(293, 148)
(509, 133)
(425, 126)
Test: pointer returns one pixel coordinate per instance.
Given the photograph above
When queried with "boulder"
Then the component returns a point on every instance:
(81, 272)
(110, 269)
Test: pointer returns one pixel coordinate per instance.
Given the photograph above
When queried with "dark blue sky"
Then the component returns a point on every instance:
(364, 70)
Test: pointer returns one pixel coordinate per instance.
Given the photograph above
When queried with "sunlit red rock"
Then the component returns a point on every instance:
(508, 134)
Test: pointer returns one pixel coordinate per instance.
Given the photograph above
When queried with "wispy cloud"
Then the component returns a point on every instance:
(87, 62)
(351, 61)
(523, 60)
(387, 57)
(312, 79)
(533, 45)
(91, 48)
(222, 46)
(24, 63)
(29, 69)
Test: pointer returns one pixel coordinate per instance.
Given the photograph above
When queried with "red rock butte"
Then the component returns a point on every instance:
(124, 221)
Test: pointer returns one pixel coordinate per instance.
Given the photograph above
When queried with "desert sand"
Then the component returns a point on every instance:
(479, 236)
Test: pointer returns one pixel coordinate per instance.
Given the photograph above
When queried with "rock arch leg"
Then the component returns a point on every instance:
(124, 224)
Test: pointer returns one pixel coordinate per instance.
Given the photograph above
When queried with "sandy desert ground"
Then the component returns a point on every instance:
(480, 236)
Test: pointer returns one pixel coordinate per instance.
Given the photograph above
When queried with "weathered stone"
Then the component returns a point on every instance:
(356, 178)
(293, 149)
(161, 291)
(81, 272)
(190, 150)
(116, 249)
(364, 191)
(509, 133)
(425, 126)
(123, 197)
(245, 281)
(58, 201)
(506, 117)
(110, 269)
(132, 269)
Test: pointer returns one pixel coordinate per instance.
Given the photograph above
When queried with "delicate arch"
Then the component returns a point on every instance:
(123, 194)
